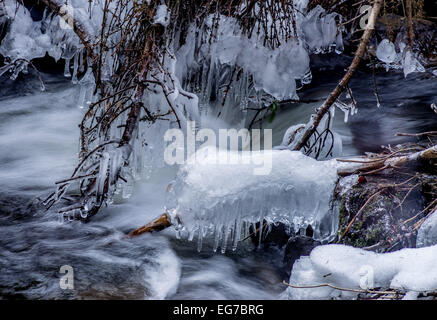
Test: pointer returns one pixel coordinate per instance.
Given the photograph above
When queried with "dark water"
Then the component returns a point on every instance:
(38, 143)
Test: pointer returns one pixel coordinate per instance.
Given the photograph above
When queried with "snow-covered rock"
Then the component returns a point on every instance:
(407, 270)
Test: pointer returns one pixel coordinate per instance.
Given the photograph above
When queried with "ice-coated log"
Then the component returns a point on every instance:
(211, 196)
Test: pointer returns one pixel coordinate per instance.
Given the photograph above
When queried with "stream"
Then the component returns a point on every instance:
(39, 145)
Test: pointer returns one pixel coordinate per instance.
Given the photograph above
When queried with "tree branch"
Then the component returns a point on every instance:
(310, 128)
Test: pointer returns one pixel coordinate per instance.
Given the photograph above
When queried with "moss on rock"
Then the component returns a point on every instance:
(380, 225)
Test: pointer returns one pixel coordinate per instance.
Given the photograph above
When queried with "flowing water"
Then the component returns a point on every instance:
(39, 145)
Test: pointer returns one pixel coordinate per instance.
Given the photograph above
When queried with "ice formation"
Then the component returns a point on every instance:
(386, 51)
(427, 233)
(410, 63)
(213, 197)
(408, 270)
(27, 39)
(403, 58)
(320, 31)
(255, 74)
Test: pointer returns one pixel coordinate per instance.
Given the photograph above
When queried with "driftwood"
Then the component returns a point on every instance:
(160, 223)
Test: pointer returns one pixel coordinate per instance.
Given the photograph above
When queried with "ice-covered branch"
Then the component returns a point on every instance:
(304, 135)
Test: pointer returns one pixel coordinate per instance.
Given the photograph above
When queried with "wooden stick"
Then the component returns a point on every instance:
(160, 223)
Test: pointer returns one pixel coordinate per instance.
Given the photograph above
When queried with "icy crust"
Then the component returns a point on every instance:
(408, 270)
(212, 198)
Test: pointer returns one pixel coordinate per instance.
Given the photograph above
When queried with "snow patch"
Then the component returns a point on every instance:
(408, 270)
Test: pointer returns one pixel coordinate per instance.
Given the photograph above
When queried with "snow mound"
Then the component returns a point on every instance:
(409, 270)
(212, 197)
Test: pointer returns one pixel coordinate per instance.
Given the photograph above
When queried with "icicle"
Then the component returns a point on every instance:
(81, 62)
(103, 171)
(217, 237)
(191, 234)
(200, 239)
(236, 233)
(346, 115)
(226, 231)
(128, 188)
(67, 73)
(75, 66)
(116, 159)
(81, 100)
(261, 228)
(87, 84)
